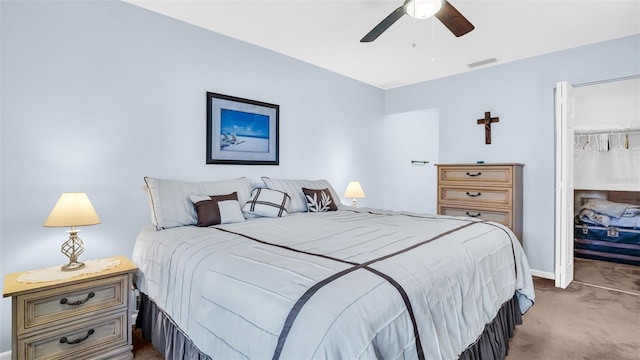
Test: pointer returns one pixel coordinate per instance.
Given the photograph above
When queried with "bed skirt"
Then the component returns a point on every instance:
(493, 343)
(164, 334)
(173, 344)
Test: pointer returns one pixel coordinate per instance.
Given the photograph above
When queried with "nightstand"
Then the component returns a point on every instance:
(85, 317)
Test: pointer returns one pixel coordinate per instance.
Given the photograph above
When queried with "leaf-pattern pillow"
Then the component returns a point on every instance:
(319, 200)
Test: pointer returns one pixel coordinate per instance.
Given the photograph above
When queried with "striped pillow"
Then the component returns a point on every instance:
(267, 203)
(294, 189)
(170, 203)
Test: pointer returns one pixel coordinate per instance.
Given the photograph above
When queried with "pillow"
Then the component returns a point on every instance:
(171, 205)
(267, 203)
(217, 209)
(294, 189)
(319, 200)
(609, 208)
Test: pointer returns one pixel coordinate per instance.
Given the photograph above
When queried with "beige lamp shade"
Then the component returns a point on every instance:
(354, 191)
(72, 209)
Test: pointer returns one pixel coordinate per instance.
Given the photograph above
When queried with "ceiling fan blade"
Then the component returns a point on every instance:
(383, 25)
(453, 20)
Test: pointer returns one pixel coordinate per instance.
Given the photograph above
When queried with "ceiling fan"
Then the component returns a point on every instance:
(422, 9)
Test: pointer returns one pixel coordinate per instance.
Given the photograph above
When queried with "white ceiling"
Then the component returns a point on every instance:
(327, 33)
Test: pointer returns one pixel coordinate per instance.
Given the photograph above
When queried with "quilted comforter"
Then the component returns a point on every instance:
(348, 284)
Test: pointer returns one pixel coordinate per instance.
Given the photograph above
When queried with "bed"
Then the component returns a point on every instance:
(291, 280)
(607, 230)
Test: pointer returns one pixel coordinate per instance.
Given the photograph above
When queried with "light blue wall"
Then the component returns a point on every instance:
(96, 95)
(522, 95)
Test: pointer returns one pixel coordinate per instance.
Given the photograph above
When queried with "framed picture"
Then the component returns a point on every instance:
(241, 131)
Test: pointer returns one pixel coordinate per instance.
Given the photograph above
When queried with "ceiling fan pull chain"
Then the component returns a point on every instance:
(413, 24)
(433, 40)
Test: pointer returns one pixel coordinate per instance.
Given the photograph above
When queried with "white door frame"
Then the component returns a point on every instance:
(564, 112)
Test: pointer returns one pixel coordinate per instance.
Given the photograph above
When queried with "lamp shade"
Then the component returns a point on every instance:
(72, 209)
(354, 190)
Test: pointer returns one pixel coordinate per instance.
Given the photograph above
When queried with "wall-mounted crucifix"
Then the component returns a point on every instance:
(487, 125)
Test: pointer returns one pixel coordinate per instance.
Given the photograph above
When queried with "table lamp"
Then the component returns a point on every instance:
(72, 209)
(354, 191)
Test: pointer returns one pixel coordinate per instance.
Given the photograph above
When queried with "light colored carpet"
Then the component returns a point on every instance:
(579, 323)
(596, 318)
(607, 274)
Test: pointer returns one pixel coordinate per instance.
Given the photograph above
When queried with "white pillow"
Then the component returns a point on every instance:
(217, 209)
(171, 205)
(294, 189)
(267, 203)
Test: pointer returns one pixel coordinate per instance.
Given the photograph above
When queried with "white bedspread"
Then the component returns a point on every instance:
(231, 294)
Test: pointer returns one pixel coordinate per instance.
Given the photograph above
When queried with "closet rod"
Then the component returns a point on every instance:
(589, 132)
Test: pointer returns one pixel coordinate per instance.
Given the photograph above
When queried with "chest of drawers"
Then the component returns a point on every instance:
(85, 317)
(491, 192)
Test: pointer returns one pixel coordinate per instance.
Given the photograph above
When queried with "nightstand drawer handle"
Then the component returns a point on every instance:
(476, 215)
(63, 340)
(470, 174)
(79, 302)
(474, 195)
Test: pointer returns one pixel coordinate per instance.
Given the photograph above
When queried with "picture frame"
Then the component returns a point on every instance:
(242, 131)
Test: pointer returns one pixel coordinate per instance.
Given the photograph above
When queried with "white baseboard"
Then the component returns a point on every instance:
(543, 274)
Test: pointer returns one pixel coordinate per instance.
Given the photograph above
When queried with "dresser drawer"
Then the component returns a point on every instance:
(477, 195)
(50, 307)
(483, 174)
(83, 340)
(502, 217)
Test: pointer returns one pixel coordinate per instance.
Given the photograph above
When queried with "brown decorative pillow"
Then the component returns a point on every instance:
(217, 209)
(319, 200)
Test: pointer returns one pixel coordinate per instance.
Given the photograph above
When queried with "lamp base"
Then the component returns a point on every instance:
(72, 265)
(354, 203)
(73, 248)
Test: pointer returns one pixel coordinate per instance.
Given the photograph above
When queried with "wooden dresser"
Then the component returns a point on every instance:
(491, 192)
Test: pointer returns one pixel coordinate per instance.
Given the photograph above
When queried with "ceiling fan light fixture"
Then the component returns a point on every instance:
(422, 9)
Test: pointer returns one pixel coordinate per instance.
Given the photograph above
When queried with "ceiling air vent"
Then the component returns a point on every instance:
(483, 62)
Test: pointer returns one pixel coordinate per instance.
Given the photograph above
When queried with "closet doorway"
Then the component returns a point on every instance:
(597, 150)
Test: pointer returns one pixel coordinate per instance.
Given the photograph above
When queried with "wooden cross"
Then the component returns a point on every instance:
(487, 125)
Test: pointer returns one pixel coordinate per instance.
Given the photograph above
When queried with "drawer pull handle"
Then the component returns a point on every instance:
(470, 174)
(64, 340)
(471, 215)
(474, 195)
(79, 302)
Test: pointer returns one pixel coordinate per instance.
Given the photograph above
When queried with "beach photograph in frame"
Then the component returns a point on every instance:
(241, 131)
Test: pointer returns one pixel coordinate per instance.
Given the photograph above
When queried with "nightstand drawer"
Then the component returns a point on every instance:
(502, 217)
(485, 174)
(98, 338)
(66, 303)
(481, 196)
